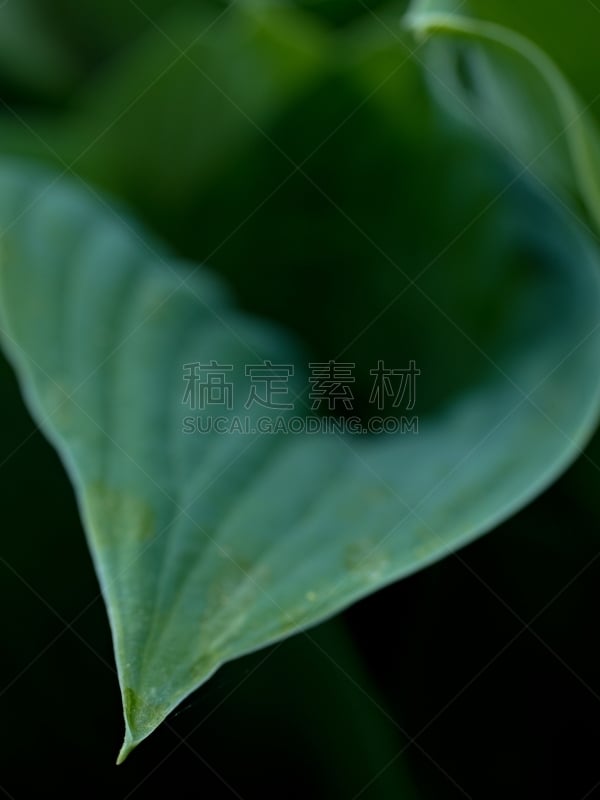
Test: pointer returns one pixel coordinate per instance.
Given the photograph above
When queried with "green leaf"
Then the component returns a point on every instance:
(512, 90)
(211, 546)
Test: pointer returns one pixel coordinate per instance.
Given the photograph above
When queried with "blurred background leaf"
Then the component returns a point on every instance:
(499, 81)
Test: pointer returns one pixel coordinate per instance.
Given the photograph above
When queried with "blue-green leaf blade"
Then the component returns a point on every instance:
(208, 547)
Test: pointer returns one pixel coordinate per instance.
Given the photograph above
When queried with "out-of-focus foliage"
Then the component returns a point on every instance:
(505, 84)
(295, 149)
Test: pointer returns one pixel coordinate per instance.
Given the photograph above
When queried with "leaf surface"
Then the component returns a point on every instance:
(210, 546)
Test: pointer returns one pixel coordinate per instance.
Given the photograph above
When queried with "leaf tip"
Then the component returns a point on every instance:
(128, 746)
(141, 719)
(131, 704)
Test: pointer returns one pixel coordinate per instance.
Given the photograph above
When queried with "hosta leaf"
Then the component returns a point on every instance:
(569, 37)
(509, 87)
(210, 546)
